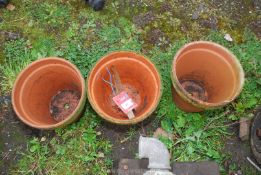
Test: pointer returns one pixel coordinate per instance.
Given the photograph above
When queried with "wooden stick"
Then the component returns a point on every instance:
(119, 88)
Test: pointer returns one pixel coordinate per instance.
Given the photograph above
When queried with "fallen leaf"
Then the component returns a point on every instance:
(43, 139)
(160, 132)
(100, 155)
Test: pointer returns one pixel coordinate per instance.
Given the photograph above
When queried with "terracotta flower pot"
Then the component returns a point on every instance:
(139, 78)
(41, 84)
(205, 75)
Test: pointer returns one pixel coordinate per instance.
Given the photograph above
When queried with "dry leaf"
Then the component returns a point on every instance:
(10, 7)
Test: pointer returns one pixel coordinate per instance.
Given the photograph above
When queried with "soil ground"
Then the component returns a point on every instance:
(15, 134)
(239, 151)
(63, 104)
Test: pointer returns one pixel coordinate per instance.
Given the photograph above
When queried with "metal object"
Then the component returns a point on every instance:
(255, 165)
(158, 172)
(158, 155)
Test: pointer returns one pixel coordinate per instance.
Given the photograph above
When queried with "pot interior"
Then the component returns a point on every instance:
(138, 79)
(207, 73)
(39, 87)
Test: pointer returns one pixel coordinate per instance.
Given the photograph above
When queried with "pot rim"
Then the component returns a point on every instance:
(195, 102)
(118, 121)
(75, 112)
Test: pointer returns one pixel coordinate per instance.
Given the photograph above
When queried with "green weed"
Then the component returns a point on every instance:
(197, 135)
(201, 135)
(82, 37)
(74, 150)
(53, 14)
(17, 56)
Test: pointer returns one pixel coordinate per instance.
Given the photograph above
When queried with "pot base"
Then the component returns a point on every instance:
(63, 104)
(183, 105)
(195, 88)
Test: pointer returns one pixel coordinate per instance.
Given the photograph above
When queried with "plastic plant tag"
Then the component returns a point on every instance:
(124, 102)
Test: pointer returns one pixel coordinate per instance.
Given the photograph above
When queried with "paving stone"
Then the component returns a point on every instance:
(244, 129)
(196, 168)
(138, 167)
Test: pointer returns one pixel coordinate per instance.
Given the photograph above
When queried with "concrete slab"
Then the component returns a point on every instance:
(196, 168)
(138, 167)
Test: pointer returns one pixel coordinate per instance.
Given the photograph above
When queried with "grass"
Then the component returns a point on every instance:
(197, 135)
(70, 30)
(16, 58)
(78, 149)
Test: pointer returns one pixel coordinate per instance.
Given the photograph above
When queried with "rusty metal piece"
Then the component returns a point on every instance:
(258, 132)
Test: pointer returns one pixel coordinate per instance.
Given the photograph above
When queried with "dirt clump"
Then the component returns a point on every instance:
(63, 104)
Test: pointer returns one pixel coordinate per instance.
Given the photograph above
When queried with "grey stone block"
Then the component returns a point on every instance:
(244, 129)
(195, 168)
(138, 167)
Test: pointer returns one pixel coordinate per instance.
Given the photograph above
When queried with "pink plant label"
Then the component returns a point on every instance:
(124, 102)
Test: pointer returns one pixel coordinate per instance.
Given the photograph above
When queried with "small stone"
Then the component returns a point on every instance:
(244, 129)
(195, 15)
(10, 7)
(211, 22)
(101, 155)
(257, 4)
(255, 26)
(143, 19)
(198, 11)
(10, 35)
(239, 172)
(161, 132)
(228, 38)
(43, 139)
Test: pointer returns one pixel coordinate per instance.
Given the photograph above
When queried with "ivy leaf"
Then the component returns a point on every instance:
(181, 122)
(190, 149)
(34, 148)
(251, 102)
(213, 154)
(60, 151)
(167, 125)
(233, 117)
